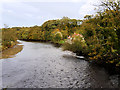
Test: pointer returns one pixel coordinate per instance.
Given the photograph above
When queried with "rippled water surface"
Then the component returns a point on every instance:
(41, 65)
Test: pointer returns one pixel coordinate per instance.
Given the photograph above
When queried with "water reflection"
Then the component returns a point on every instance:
(11, 52)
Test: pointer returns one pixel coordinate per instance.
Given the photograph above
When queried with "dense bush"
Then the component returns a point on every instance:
(102, 35)
(56, 36)
(76, 43)
(104, 46)
(9, 38)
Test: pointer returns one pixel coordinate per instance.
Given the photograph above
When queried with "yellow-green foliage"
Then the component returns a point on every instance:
(76, 44)
(9, 38)
(49, 30)
(102, 35)
(56, 36)
(103, 38)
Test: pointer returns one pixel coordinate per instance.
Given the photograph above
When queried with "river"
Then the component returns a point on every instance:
(42, 65)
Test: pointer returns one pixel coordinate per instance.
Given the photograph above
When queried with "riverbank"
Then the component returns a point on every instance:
(11, 51)
(41, 65)
(110, 68)
(56, 44)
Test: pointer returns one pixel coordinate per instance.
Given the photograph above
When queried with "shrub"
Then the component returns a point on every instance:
(76, 44)
(57, 37)
(61, 42)
(101, 51)
(8, 38)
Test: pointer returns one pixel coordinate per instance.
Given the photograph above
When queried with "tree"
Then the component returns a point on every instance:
(111, 9)
(88, 16)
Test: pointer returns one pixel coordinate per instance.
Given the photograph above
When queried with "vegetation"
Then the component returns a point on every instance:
(9, 38)
(96, 37)
(53, 30)
(76, 43)
(102, 35)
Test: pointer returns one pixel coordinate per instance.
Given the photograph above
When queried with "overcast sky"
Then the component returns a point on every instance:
(36, 12)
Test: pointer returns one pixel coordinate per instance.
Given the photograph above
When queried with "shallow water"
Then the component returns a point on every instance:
(41, 65)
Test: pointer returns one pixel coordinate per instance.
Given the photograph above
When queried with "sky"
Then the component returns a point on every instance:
(17, 13)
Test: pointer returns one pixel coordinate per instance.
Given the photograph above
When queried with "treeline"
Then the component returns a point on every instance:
(96, 37)
(52, 30)
(55, 31)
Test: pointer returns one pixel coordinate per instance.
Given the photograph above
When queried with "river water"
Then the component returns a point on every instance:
(41, 65)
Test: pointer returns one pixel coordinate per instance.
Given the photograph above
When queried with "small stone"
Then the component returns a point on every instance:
(61, 69)
(74, 79)
(71, 83)
(75, 68)
(68, 76)
(60, 81)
